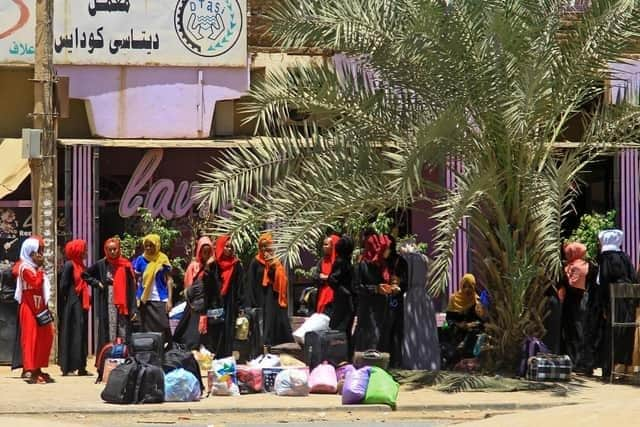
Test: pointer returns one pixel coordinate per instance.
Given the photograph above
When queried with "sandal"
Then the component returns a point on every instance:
(84, 373)
(47, 377)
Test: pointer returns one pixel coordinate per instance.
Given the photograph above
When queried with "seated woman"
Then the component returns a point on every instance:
(465, 314)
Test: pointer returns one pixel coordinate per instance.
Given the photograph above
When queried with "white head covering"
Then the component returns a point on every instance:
(30, 246)
(611, 240)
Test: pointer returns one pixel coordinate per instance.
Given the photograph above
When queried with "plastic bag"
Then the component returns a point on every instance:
(323, 379)
(341, 373)
(204, 358)
(223, 380)
(181, 385)
(292, 382)
(249, 379)
(355, 386)
(317, 322)
(265, 361)
(382, 388)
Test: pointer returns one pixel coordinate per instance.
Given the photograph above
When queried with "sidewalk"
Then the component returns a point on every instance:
(80, 395)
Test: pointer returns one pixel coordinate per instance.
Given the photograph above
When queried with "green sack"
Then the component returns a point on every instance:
(382, 388)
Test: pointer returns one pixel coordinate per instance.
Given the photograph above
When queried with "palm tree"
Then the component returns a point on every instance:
(490, 84)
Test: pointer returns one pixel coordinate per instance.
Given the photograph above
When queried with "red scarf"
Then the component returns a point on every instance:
(280, 281)
(325, 293)
(577, 268)
(122, 270)
(75, 251)
(226, 264)
(373, 253)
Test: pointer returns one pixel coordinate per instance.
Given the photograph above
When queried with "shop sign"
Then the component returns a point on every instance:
(163, 197)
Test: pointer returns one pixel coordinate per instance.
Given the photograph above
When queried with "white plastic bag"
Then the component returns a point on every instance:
(222, 378)
(292, 382)
(317, 322)
(178, 311)
(265, 361)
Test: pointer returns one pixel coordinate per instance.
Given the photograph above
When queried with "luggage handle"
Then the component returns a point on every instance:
(372, 353)
(139, 378)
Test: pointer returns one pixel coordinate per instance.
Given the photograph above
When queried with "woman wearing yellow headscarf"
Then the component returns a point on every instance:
(154, 287)
(464, 317)
(267, 287)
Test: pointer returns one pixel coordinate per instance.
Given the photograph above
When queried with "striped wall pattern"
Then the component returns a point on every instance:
(460, 261)
(629, 202)
(82, 209)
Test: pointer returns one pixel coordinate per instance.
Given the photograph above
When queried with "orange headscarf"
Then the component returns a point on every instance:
(225, 264)
(325, 293)
(280, 281)
(577, 268)
(197, 264)
(122, 270)
(75, 251)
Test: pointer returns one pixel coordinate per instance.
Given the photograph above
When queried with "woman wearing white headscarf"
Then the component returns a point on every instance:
(36, 329)
(614, 267)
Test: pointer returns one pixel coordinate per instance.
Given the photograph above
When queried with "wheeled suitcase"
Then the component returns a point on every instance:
(330, 346)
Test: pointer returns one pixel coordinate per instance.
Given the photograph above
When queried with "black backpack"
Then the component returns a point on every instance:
(178, 357)
(148, 347)
(134, 382)
(121, 385)
(149, 384)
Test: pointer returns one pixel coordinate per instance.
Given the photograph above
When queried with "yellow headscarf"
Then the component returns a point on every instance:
(157, 261)
(464, 299)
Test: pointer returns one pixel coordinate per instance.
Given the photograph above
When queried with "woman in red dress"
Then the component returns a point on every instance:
(36, 328)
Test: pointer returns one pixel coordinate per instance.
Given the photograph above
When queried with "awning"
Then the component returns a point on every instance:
(13, 168)
(163, 143)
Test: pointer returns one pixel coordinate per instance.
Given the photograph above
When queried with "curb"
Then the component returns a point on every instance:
(163, 408)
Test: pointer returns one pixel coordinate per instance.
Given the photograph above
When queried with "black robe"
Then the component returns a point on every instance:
(73, 336)
(614, 267)
(372, 307)
(187, 333)
(94, 275)
(231, 302)
(277, 329)
(393, 326)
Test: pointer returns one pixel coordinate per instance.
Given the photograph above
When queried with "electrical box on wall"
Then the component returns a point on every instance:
(31, 143)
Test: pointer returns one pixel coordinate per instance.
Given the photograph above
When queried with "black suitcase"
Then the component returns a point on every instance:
(330, 346)
(148, 347)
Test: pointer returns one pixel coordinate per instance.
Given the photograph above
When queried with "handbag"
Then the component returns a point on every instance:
(44, 317)
(371, 358)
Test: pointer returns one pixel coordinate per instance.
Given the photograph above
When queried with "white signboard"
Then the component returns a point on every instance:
(203, 33)
(151, 32)
(17, 31)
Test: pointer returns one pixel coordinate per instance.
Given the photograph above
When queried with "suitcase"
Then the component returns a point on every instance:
(549, 367)
(330, 346)
(371, 358)
(148, 347)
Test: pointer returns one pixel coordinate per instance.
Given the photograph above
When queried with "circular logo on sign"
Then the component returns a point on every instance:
(208, 28)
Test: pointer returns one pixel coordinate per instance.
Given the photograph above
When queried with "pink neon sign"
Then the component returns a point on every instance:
(163, 198)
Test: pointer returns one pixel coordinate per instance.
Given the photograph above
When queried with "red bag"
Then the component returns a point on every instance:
(249, 379)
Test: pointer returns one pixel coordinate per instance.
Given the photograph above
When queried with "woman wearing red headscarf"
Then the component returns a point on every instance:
(266, 289)
(114, 294)
(199, 280)
(226, 295)
(76, 301)
(374, 284)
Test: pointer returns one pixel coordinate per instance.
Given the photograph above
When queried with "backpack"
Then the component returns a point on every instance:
(177, 358)
(149, 384)
(531, 346)
(121, 386)
(148, 347)
(111, 350)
